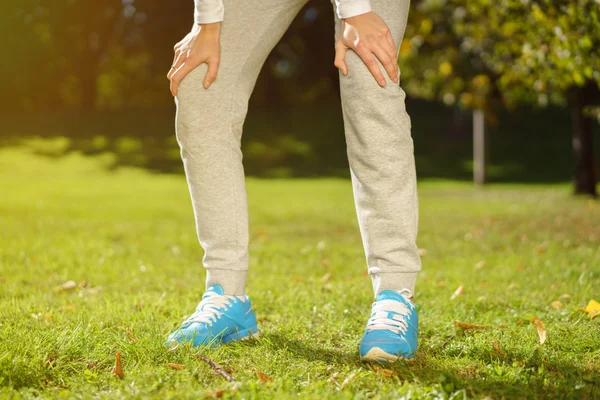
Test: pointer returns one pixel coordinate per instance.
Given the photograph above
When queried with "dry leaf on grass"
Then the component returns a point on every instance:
(218, 393)
(118, 369)
(176, 366)
(466, 325)
(130, 336)
(564, 296)
(540, 329)
(67, 286)
(347, 381)
(592, 308)
(326, 277)
(498, 348)
(457, 292)
(556, 304)
(383, 371)
(263, 378)
(480, 265)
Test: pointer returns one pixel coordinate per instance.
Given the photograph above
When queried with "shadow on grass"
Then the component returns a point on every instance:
(538, 377)
(526, 146)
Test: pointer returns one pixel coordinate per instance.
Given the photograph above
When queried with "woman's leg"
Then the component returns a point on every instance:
(380, 153)
(209, 129)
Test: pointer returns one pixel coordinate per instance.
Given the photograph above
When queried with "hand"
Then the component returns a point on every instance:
(369, 37)
(199, 46)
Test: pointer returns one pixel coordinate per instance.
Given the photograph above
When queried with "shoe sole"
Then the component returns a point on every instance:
(242, 335)
(378, 355)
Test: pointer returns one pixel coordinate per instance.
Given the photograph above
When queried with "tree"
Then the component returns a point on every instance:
(474, 52)
(439, 63)
(545, 51)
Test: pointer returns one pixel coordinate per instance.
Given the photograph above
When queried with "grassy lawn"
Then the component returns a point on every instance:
(127, 238)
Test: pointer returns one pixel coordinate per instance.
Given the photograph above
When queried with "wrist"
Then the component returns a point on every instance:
(211, 27)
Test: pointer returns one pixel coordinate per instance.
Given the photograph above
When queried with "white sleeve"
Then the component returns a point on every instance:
(208, 11)
(350, 8)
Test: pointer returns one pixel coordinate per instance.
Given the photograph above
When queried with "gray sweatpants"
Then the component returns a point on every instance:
(379, 147)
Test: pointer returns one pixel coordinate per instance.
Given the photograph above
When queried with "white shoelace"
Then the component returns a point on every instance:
(380, 319)
(211, 308)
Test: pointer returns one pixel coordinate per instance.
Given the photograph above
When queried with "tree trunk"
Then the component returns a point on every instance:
(584, 177)
(478, 147)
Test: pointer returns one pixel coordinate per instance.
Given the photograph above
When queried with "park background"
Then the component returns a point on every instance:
(95, 214)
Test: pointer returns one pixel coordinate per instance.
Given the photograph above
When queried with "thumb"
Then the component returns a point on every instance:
(211, 74)
(340, 57)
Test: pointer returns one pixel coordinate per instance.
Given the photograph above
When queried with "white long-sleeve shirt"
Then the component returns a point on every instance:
(209, 11)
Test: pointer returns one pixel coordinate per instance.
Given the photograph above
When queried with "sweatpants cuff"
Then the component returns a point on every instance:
(394, 281)
(233, 282)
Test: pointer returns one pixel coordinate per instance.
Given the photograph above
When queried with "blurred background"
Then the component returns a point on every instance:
(497, 91)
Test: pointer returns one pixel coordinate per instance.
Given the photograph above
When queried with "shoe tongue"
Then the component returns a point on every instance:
(391, 295)
(214, 290)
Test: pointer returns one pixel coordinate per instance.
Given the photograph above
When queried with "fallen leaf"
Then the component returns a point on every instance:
(218, 393)
(480, 265)
(117, 369)
(383, 371)
(83, 283)
(540, 329)
(263, 378)
(592, 308)
(556, 304)
(457, 292)
(592, 305)
(176, 366)
(130, 337)
(540, 250)
(466, 325)
(564, 296)
(326, 277)
(67, 286)
(50, 362)
(498, 348)
(347, 381)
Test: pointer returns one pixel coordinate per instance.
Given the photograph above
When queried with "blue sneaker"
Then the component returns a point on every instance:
(218, 319)
(392, 330)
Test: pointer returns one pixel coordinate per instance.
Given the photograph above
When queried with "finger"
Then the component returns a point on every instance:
(393, 49)
(394, 52)
(181, 73)
(181, 57)
(388, 62)
(340, 58)
(211, 74)
(372, 65)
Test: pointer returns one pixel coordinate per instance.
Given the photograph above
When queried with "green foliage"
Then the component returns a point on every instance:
(439, 62)
(541, 49)
(463, 51)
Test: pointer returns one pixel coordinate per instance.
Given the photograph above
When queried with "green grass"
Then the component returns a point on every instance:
(514, 248)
